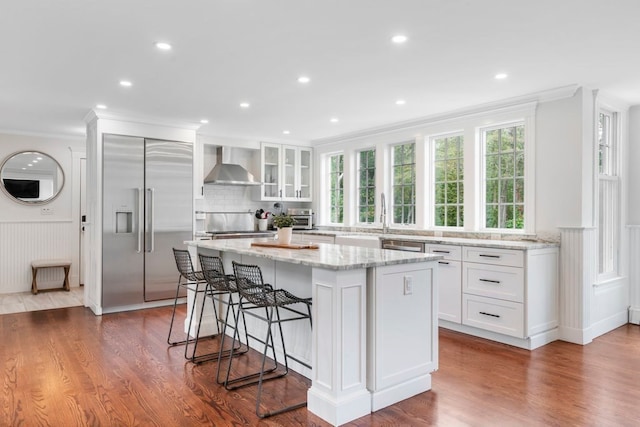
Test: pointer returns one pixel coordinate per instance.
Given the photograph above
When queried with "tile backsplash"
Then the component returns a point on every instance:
(234, 198)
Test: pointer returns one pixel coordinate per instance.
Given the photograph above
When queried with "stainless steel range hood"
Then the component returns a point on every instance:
(228, 173)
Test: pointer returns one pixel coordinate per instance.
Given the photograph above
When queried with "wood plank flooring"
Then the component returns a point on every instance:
(67, 367)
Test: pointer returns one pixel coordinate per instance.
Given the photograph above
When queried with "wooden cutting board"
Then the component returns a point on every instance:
(275, 244)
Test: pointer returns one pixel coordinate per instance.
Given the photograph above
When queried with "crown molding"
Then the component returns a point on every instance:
(146, 120)
(510, 104)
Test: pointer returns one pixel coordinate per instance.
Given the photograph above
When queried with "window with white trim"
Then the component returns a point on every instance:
(504, 161)
(608, 195)
(404, 183)
(366, 186)
(336, 188)
(448, 180)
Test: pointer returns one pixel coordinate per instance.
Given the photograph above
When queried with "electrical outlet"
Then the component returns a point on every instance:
(408, 285)
(46, 211)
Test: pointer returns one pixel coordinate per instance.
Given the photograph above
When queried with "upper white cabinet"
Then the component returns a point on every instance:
(286, 172)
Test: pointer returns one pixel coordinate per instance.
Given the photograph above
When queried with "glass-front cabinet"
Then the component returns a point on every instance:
(286, 172)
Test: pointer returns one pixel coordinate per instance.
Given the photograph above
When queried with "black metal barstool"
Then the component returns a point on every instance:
(255, 295)
(192, 278)
(220, 289)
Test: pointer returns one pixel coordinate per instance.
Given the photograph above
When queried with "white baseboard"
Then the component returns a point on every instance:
(609, 324)
(634, 315)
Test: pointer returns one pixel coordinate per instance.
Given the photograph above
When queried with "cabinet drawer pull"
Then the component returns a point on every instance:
(490, 314)
(490, 281)
(443, 262)
(440, 252)
(490, 256)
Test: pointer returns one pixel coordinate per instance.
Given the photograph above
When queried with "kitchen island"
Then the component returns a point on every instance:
(374, 340)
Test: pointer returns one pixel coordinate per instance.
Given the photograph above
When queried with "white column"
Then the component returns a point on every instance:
(577, 275)
(338, 393)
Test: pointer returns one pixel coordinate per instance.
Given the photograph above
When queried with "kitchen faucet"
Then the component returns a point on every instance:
(383, 214)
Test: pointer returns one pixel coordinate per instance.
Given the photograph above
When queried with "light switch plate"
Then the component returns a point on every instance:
(408, 285)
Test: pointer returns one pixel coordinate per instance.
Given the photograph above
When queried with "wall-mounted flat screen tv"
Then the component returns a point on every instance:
(22, 188)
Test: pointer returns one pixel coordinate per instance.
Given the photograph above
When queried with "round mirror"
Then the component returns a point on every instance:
(31, 177)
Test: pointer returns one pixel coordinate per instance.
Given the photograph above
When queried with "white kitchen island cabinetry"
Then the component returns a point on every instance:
(374, 340)
(286, 172)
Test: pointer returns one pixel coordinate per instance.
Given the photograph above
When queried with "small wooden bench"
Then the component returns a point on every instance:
(50, 263)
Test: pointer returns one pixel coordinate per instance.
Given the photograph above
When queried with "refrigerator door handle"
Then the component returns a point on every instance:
(140, 219)
(151, 218)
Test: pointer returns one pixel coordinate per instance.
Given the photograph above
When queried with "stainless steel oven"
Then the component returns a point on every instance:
(303, 218)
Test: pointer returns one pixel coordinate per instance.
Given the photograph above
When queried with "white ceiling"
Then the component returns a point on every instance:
(58, 59)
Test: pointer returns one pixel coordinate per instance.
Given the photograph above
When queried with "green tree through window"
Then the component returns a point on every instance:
(366, 186)
(504, 177)
(336, 189)
(448, 181)
(404, 183)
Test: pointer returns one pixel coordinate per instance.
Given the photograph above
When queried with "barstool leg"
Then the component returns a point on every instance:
(208, 292)
(286, 364)
(173, 315)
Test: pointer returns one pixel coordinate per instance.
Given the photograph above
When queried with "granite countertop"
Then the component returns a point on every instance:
(459, 241)
(332, 257)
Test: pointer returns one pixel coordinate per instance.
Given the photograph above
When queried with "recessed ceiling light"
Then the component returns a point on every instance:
(500, 76)
(126, 83)
(204, 121)
(399, 38)
(24, 169)
(39, 158)
(101, 107)
(245, 105)
(286, 132)
(334, 120)
(29, 164)
(163, 46)
(303, 79)
(34, 161)
(401, 102)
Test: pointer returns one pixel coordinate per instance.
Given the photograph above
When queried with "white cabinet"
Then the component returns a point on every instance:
(286, 172)
(511, 292)
(449, 281)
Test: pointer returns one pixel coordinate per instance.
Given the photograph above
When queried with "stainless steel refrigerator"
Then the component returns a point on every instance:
(147, 210)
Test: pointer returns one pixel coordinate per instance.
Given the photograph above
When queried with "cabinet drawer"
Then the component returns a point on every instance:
(493, 281)
(450, 252)
(504, 317)
(510, 257)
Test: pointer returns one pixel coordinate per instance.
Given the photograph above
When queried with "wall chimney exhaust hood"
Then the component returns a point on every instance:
(226, 173)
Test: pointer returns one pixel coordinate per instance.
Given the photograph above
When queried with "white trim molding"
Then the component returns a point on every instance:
(634, 274)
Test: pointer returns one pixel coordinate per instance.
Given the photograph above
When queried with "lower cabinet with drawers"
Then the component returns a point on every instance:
(506, 295)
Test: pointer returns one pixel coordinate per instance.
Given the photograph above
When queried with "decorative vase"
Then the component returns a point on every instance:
(262, 224)
(284, 235)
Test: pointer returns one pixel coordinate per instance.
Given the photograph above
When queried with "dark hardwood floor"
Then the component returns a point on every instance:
(67, 367)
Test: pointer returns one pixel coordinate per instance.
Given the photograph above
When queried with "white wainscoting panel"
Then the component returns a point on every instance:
(578, 254)
(23, 242)
(634, 273)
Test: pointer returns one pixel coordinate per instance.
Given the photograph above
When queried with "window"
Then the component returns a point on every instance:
(336, 189)
(404, 183)
(504, 177)
(608, 196)
(448, 180)
(366, 186)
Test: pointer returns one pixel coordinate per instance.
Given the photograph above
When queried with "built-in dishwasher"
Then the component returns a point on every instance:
(403, 245)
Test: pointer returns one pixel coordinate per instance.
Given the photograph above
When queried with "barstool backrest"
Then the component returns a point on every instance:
(213, 271)
(184, 264)
(249, 282)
